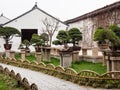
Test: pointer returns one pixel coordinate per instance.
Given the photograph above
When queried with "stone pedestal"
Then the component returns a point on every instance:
(75, 56)
(113, 61)
(12, 54)
(94, 54)
(38, 57)
(7, 53)
(65, 59)
(46, 53)
(23, 54)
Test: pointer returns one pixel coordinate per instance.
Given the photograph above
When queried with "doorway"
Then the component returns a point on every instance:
(27, 34)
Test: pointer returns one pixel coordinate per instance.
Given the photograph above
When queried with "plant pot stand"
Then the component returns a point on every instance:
(65, 58)
(113, 61)
(46, 53)
(7, 49)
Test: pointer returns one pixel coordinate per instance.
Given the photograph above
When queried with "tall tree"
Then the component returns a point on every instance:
(50, 27)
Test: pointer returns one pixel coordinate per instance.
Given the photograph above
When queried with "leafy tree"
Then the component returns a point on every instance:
(75, 35)
(26, 43)
(7, 33)
(37, 40)
(45, 37)
(115, 29)
(57, 42)
(62, 37)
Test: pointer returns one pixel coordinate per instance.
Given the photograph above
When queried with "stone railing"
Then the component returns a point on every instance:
(24, 82)
(88, 78)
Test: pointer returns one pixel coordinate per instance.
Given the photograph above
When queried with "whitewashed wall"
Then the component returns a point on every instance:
(32, 20)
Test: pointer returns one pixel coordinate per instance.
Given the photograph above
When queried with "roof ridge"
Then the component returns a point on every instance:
(94, 12)
(34, 7)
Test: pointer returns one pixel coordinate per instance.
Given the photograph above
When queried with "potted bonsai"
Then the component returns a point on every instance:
(45, 38)
(26, 43)
(75, 36)
(106, 38)
(115, 45)
(37, 41)
(101, 36)
(7, 34)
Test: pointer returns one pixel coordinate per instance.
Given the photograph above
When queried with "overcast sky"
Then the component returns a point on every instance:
(62, 9)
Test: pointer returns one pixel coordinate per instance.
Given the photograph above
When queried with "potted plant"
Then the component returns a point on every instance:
(45, 37)
(75, 36)
(106, 38)
(7, 34)
(116, 43)
(26, 43)
(37, 42)
(101, 36)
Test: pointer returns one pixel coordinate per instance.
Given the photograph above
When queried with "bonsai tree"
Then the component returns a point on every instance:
(115, 45)
(37, 41)
(7, 34)
(75, 35)
(107, 36)
(101, 35)
(63, 37)
(45, 37)
(57, 42)
(26, 43)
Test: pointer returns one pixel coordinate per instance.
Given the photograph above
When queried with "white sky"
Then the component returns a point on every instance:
(62, 9)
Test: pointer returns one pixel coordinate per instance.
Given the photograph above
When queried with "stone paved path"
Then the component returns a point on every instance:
(46, 82)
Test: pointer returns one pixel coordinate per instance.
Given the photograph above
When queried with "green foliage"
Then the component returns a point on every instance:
(57, 42)
(26, 43)
(63, 36)
(45, 37)
(8, 83)
(101, 35)
(7, 33)
(37, 40)
(115, 29)
(75, 35)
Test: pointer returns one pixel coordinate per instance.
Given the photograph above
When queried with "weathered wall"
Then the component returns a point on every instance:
(88, 25)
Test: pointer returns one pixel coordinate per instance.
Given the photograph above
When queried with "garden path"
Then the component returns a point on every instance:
(47, 82)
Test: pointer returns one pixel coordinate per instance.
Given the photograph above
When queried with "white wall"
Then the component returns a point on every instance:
(32, 20)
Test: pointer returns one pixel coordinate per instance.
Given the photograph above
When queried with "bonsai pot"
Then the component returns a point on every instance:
(7, 46)
(103, 46)
(114, 48)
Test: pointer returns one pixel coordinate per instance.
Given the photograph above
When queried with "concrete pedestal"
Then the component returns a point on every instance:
(75, 56)
(23, 54)
(113, 61)
(7, 53)
(65, 59)
(94, 54)
(12, 54)
(38, 57)
(46, 53)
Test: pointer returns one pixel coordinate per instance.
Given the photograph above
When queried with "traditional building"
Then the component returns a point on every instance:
(28, 23)
(88, 23)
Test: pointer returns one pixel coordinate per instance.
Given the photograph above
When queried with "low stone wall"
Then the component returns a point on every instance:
(91, 58)
(87, 78)
(24, 82)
